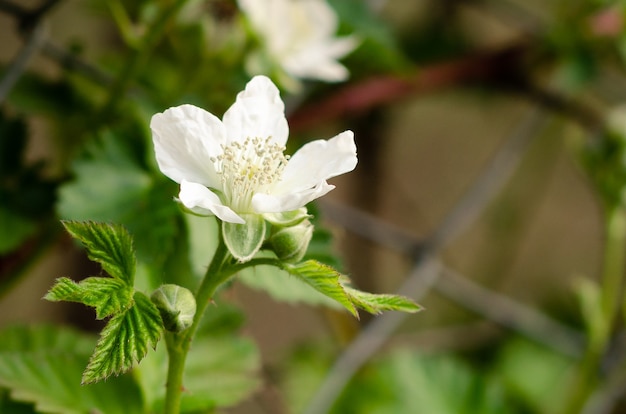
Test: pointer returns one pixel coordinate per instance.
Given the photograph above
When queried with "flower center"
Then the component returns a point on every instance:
(249, 167)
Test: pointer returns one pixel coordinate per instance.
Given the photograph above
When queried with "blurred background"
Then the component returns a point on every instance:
(474, 193)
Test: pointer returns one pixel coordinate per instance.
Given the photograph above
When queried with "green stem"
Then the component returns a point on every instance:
(178, 343)
(611, 296)
(219, 271)
(175, 369)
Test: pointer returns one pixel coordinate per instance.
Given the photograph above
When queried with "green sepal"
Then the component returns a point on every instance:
(125, 340)
(377, 303)
(244, 240)
(108, 244)
(324, 279)
(287, 218)
(108, 296)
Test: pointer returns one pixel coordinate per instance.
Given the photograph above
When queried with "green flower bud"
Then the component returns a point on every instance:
(290, 243)
(176, 305)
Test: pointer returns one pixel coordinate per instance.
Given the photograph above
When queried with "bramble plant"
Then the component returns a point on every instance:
(234, 170)
(175, 144)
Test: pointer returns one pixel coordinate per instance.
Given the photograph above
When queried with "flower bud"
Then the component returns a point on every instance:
(176, 305)
(290, 243)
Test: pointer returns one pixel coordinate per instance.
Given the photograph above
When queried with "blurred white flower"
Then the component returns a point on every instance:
(235, 168)
(298, 36)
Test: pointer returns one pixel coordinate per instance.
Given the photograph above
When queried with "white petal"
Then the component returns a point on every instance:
(201, 200)
(185, 138)
(319, 60)
(316, 162)
(322, 18)
(323, 69)
(269, 203)
(257, 112)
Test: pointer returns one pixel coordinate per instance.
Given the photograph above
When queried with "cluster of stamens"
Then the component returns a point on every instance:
(247, 168)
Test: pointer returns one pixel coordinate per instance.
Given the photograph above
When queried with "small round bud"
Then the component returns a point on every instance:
(176, 305)
(290, 243)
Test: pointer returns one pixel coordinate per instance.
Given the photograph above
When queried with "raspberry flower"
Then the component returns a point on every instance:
(298, 36)
(236, 168)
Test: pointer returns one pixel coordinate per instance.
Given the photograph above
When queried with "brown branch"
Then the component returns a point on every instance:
(369, 93)
(506, 69)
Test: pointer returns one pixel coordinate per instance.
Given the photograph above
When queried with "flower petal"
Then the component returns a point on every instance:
(199, 199)
(319, 60)
(257, 112)
(185, 138)
(271, 203)
(316, 162)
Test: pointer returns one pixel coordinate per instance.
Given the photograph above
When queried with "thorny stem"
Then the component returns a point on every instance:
(611, 295)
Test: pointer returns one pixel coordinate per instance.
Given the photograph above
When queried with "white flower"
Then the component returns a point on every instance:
(235, 168)
(299, 36)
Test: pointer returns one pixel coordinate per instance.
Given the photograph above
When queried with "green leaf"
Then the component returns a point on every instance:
(331, 283)
(108, 244)
(125, 340)
(244, 240)
(324, 279)
(108, 296)
(282, 286)
(42, 365)
(377, 303)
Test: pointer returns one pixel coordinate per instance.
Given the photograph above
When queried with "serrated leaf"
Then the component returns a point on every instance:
(108, 244)
(42, 365)
(324, 279)
(125, 340)
(377, 303)
(282, 286)
(108, 296)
